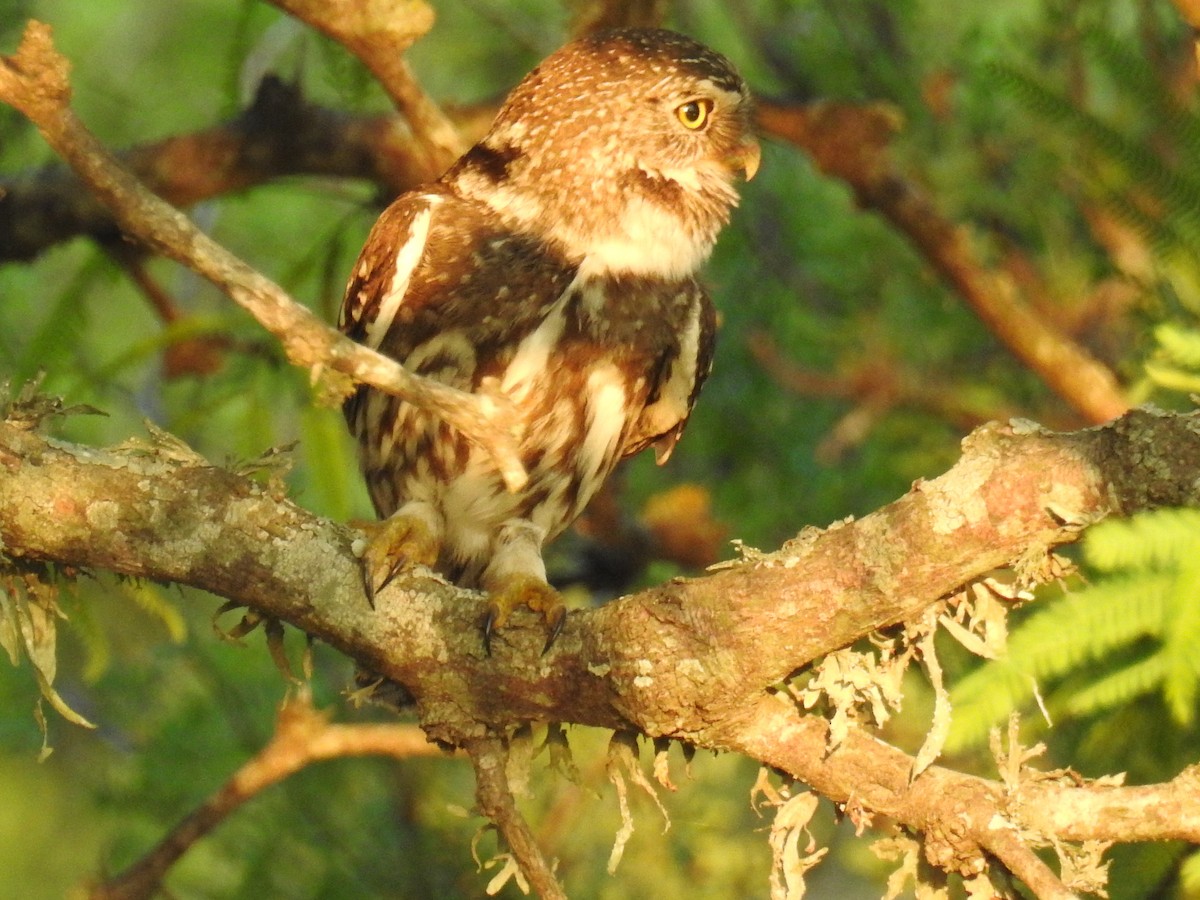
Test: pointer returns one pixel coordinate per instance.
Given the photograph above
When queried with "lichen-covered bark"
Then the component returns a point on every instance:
(676, 660)
(693, 659)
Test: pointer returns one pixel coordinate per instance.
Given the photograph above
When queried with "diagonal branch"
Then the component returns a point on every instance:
(850, 143)
(279, 133)
(303, 736)
(496, 802)
(35, 81)
(378, 33)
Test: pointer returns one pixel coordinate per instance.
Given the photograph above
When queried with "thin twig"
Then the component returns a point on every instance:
(302, 737)
(495, 799)
(35, 82)
(1005, 843)
(378, 33)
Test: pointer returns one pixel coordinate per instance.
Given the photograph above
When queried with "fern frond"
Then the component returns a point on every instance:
(1144, 83)
(1172, 378)
(1160, 233)
(1179, 688)
(1089, 623)
(1080, 627)
(986, 696)
(1157, 539)
(1173, 188)
(1117, 689)
(1180, 641)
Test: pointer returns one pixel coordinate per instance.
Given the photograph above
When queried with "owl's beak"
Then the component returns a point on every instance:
(745, 158)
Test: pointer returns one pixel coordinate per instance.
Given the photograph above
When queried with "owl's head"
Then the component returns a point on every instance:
(624, 148)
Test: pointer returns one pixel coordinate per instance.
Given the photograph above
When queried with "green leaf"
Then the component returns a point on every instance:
(1152, 540)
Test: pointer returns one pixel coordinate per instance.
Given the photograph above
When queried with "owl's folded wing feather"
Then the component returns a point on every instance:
(436, 264)
(676, 380)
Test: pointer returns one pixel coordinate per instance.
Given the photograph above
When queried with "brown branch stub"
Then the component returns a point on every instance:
(308, 342)
(850, 143)
(489, 757)
(41, 72)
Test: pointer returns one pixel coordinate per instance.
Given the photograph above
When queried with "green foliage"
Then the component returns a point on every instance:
(1143, 171)
(1175, 365)
(1130, 632)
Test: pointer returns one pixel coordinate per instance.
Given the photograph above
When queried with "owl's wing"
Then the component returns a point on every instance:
(675, 382)
(443, 287)
(437, 266)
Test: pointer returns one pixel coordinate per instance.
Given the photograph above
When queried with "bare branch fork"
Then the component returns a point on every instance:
(35, 81)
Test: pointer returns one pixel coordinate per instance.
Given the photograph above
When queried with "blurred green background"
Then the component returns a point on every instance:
(1063, 133)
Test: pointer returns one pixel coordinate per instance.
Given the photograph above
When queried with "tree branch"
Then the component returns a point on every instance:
(378, 33)
(302, 737)
(496, 801)
(35, 81)
(278, 134)
(850, 143)
(694, 660)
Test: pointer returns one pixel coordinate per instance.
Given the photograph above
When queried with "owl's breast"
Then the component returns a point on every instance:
(611, 367)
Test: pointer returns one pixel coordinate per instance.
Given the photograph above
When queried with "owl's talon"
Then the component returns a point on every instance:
(489, 626)
(394, 546)
(373, 585)
(523, 590)
(556, 620)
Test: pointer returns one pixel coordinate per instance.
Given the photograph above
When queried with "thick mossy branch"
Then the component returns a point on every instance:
(693, 660)
(670, 660)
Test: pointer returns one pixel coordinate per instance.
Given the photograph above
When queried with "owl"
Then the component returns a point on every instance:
(556, 262)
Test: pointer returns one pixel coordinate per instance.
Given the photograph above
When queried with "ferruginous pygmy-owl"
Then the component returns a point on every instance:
(556, 260)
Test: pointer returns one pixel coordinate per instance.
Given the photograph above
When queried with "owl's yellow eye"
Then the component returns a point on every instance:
(694, 114)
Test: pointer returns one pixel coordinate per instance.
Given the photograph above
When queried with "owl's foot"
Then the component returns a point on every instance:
(397, 543)
(523, 590)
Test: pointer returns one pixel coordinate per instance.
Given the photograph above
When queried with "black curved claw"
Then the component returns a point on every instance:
(398, 566)
(369, 579)
(556, 626)
(489, 625)
(368, 586)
